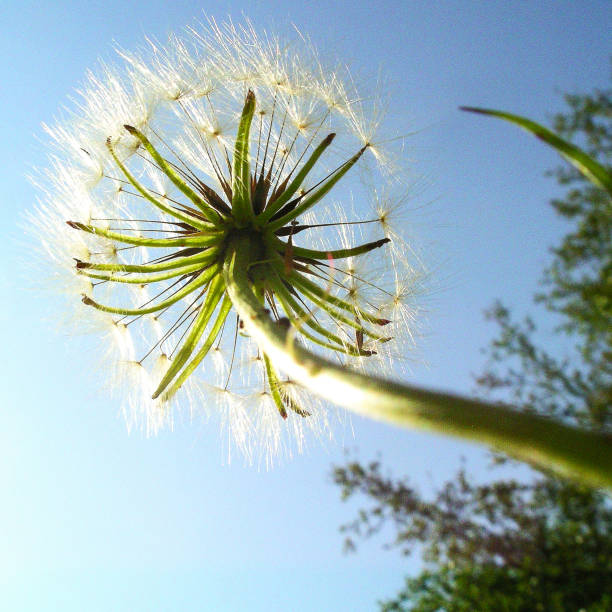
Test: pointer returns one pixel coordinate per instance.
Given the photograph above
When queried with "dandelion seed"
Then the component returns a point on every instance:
(225, 136)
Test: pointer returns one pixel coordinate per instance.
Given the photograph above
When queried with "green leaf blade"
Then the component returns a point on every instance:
(584, 163)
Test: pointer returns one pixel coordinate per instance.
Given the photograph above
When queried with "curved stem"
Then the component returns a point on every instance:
(575, 453)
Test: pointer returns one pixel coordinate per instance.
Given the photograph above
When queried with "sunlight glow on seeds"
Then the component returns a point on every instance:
(166, 162)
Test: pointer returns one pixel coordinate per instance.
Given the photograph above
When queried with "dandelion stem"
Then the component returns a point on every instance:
(575, 453)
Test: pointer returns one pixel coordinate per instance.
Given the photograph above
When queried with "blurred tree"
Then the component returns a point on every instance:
(544, 544)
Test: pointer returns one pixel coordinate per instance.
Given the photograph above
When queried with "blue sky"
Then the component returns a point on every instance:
(95, 518)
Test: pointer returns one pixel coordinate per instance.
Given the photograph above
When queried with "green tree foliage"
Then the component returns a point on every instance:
(544, 543)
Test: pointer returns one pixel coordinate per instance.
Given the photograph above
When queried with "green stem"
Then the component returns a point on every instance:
(579, 454)
(596, 173)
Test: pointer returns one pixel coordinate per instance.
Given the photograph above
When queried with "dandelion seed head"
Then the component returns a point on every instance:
(159, 164)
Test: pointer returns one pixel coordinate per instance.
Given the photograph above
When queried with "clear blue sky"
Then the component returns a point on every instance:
(95, 519)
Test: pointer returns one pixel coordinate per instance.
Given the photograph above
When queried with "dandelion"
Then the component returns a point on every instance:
(215, 152)
(188, 203)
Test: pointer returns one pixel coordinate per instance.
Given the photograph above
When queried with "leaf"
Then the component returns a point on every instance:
(589, 167)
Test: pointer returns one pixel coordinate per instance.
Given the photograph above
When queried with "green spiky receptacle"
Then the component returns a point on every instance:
(231, 255)
(257, 211)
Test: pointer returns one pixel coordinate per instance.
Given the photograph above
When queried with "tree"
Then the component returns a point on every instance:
(543, 544)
